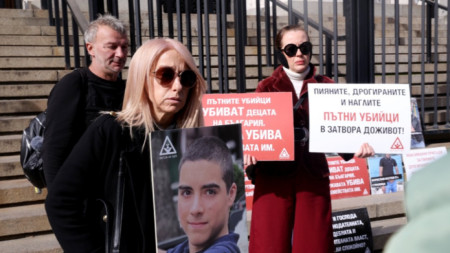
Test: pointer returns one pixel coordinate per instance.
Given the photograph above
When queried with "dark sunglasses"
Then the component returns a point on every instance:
(166, 75)
(291, 49)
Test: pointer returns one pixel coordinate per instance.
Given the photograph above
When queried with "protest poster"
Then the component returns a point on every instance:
(352, 231)
(344, 116)
(417, 139)
(386, 173)
(348, 178)
(191, 194)
(266, 118)
(416, 159)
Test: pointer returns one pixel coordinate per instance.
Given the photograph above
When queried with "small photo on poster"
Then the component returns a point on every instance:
(386, 173)
(198, 185)
(417, 140)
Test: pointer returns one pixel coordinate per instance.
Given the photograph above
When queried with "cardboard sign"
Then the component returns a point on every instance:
(348, 178)
(266, 118)
(344, 116)
(417, 159)
(201, 188)
(352, 231)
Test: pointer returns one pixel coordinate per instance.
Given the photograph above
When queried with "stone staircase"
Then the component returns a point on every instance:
(31, 63)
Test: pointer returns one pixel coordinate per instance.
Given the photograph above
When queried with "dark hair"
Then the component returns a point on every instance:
(212, 149)
(285, 29)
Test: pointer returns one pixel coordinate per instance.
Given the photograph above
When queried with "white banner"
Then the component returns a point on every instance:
(343, 116)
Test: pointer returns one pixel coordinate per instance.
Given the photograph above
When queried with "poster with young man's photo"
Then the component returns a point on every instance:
(198, 185)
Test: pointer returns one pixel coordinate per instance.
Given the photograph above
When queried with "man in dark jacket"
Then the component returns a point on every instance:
(77, 99)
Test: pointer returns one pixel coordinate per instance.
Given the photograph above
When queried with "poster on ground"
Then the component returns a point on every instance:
(343, 116)
(386, 173)
(352, 231)
(266, 118)
(190, 193)
(348, 178)
(417, 139)
(416, 159)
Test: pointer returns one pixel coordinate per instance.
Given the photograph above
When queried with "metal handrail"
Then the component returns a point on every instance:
(328, 33)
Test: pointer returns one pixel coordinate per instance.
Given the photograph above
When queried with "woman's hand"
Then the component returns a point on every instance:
(364, 151)
(249, 160)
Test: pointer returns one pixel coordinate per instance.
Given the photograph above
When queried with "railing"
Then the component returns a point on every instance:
(433, 95)
(330, 36)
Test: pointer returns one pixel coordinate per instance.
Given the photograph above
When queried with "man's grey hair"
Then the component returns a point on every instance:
(104, 20)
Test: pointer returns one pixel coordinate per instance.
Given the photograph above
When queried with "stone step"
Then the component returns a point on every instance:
(31, 40)
(25, 90)
(9, 124)
(16, 13)
(25, 30)
(10, 143)
(21, 51)
(32, 105)
(382, 230)
(441, 116)
(32, 244)
(24, 21)
(25, 219)
(429, 89)
(32, 62)
(18, 191)
(415, 78)
(416, 67)
(21, 76)
(10, 166)
(378, 206)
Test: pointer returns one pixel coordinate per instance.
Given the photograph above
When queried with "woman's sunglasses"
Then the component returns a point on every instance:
(166, 75)
(291, 49)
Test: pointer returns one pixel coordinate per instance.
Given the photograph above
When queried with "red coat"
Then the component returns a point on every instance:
(315, 163)
(292, 204)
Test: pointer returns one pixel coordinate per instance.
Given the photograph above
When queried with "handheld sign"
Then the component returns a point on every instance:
(344, 116)
(187, 176)
(266, 118)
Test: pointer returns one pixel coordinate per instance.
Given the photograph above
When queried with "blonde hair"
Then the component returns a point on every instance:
(136, 104)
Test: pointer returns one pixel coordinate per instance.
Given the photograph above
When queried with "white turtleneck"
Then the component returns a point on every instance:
(297, 79)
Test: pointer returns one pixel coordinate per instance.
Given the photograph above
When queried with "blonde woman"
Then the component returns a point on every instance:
(163, 91)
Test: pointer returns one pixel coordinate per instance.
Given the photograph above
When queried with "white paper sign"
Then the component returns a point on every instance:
(416, 159)
(344, 116)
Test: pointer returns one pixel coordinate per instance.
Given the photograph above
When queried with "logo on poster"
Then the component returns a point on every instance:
(397, 144)
(284, 154)
(167, 148)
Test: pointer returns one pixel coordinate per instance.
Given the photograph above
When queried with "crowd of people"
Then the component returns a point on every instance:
(97, 155)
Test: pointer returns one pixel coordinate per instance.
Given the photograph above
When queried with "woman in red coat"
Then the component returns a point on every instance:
(292, 205)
